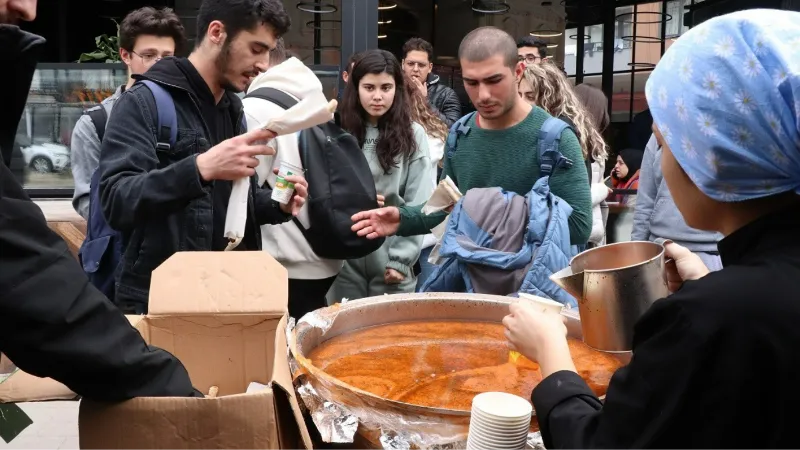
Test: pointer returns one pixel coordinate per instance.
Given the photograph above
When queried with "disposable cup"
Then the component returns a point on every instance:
(283, 190)
(515, 436)
(502, 405)
(499, 420)
(544, 304)
(505, 422)
(476, 440)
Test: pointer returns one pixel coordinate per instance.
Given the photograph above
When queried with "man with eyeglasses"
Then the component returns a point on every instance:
(417, 57)
(531, 50)
(145, 36)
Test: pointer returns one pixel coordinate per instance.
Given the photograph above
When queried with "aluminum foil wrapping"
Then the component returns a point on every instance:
(334, 422)
(535, 441)
(339, 423)
(322, 318)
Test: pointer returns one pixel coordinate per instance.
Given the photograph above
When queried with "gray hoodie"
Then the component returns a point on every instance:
(85, 148)
(656, 215)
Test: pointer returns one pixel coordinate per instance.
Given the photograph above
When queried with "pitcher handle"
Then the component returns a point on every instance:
(663, 242)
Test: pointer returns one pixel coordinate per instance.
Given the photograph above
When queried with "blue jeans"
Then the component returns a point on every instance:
(426, 268)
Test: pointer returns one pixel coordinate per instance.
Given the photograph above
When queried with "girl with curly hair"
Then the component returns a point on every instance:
(545, 85)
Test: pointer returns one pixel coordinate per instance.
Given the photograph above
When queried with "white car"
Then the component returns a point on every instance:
(47, 157)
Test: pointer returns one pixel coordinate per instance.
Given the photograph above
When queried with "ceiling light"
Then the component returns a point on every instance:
(381, 36)
(317, 7)
(490, 6)
(552, 45)
(324, 24)
(384, 22)
(546, 33)
(386, 5)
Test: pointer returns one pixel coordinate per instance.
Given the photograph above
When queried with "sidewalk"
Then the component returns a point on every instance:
(55, 426)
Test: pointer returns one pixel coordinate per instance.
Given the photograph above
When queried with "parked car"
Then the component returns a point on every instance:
(47, 157)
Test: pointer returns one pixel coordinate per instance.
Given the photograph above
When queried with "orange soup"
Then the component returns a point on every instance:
(444, 364)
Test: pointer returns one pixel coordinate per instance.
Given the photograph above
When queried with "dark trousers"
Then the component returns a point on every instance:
(307, 295)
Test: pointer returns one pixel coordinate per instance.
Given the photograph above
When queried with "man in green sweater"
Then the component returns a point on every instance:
(501, 148)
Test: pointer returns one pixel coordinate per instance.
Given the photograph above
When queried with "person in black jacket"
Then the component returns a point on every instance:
(715, 364)
(53, 323)
(165, 200)
(417, 57)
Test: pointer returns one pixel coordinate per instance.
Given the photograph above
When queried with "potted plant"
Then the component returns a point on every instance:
(107, 49)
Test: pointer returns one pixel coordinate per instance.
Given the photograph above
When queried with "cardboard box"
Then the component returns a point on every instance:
(223, 314)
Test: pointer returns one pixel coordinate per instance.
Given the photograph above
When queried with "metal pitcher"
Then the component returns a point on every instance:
(614, 285)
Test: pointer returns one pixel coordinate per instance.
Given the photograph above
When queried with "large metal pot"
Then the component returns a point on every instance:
(388, 309)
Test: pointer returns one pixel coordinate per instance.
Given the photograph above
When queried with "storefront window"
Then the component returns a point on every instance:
(59, 95)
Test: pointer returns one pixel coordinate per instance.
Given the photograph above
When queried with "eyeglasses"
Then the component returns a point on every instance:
(419, 65)
(529, 58)
(149, 58)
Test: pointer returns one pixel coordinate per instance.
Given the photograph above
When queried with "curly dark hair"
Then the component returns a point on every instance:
(151, 21)
(238, 15)
(420, 45)
(396, 135)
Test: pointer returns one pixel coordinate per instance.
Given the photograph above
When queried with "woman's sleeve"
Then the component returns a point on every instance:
(642, 398)
(404, 251)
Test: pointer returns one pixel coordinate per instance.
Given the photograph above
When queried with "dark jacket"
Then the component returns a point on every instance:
(156, 197)
(444, 100)
(715, 364)
(53, 323)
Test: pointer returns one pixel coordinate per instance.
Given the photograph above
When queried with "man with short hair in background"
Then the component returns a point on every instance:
(531, 50)
(145, 36)
(417, 64)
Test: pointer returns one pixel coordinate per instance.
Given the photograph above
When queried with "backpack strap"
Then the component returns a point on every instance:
(273, 95)
(167, 134)
(459, 128)
(550, 156)
(99, 117)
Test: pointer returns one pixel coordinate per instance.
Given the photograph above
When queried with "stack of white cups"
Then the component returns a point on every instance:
(499, 421)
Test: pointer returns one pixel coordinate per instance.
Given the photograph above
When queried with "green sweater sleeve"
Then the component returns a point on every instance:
(413, 221)
(570, 184)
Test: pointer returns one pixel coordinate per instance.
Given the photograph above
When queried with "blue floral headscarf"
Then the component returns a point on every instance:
(726, 98)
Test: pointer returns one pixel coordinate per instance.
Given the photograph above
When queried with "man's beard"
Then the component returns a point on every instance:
(222, 62)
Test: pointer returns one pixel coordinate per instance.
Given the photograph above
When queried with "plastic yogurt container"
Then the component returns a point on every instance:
(283, 190)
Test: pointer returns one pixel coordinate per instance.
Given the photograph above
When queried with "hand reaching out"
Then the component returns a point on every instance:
(377, 223)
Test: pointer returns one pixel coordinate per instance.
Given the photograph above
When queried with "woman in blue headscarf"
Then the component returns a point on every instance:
(717, 363)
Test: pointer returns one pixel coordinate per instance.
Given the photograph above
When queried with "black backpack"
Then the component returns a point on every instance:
(340, 185)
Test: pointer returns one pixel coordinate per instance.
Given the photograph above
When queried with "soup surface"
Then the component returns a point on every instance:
(444, 364)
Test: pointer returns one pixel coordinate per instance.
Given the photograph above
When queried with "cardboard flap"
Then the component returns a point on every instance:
(202, 283)
(283, 378)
